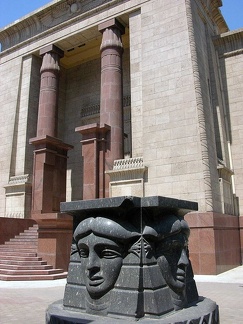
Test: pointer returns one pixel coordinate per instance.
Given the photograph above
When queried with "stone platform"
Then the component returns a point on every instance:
(204, 311)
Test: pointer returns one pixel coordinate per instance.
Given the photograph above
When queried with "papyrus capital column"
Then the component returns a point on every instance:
(50, 152)
(111, 107)
(47, 114)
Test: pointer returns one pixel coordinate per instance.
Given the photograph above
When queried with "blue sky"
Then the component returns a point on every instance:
(15, 9)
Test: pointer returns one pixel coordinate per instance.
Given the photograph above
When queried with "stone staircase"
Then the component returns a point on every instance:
(19, 259)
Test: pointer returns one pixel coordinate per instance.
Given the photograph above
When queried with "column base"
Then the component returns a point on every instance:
(49, 176)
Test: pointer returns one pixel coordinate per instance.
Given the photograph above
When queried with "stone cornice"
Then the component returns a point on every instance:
(230, 43)
(48, 18)
(217, 16)
(213, 12)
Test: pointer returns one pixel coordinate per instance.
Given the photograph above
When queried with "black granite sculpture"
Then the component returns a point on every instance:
(130, 261)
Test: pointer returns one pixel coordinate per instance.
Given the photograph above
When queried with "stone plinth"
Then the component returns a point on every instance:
(54, 239)
(214, 242)
(49, 176)
(93, 152)
(130, 261)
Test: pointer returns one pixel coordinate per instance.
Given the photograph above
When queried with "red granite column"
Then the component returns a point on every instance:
(47, 114)
(103, 143)
(50, 154)
(111, 105)
(50, 165)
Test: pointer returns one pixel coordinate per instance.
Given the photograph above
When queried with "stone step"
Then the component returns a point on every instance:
(25, 267)
(17, 254)
(27, 235)
(16, 244)
(32, 229)
(62, 275)
(23, 263)
(15, 250)
(24, 238)
(20, 258)
(30, 272)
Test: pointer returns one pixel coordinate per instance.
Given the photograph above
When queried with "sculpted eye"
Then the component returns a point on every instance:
(83, 253)
(110, 254)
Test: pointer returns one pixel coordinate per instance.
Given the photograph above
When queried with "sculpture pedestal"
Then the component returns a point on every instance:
(130, 262)
(204, 311)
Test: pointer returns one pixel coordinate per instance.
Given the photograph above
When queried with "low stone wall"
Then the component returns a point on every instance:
(9, 227)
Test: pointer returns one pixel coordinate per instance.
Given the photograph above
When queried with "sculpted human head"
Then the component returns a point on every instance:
(101, 244)
(171, 250)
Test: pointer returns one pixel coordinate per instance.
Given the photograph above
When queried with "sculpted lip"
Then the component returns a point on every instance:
(180, 276)
(96, 280)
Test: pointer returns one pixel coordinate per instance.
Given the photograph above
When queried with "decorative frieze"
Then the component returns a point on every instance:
(19, 179)
(127, 177)
(88, 111)
(226, 192)
(49, 17)
(125, 164)
(18, 196)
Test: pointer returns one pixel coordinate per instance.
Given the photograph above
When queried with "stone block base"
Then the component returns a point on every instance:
(241, 236)
(204, 311)
(214, 242)
(54, 240)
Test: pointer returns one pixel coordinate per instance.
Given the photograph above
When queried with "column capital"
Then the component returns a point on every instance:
(111, 23)
(51, 48)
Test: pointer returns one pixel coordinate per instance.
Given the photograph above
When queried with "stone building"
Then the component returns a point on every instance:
(151, 89)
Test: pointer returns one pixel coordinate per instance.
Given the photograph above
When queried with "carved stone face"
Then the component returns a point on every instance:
(101, 261)
(173, 260)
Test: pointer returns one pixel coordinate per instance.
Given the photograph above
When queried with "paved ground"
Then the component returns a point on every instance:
(26, 302)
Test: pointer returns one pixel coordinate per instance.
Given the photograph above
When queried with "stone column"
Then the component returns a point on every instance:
(50, 165)
(111, 105)
(47, 114)
(103, 143)
(111, 97)
(50, 154)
